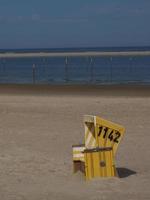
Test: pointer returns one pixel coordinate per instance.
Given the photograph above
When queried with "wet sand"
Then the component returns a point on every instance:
(39, 125)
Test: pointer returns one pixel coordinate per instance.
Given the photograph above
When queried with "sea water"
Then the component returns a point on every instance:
(76, 70)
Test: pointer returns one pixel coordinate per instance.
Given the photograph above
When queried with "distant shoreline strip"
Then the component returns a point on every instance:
(74, 54)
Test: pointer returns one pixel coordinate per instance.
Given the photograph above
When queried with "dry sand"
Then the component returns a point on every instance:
(39, 124)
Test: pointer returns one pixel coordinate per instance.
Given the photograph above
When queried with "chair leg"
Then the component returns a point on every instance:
(78, 166)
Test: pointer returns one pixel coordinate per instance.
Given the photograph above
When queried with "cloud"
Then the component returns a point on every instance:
(64, 20)
(123, 9)
(35, 17)
(1, 18)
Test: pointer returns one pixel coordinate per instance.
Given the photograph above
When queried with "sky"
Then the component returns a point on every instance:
(74, 23)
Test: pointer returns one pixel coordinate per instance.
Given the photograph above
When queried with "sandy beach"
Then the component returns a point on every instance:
(39, 125)
(74, 54)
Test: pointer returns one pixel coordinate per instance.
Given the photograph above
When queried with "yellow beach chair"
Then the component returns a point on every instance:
(96, 156)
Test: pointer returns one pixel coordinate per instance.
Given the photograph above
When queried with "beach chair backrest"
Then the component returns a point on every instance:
(102, 133)
(90, 140)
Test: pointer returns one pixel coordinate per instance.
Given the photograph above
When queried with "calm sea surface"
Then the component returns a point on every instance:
(76, 70)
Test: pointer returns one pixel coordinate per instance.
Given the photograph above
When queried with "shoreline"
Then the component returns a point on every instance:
(74, 54)
(94, 90)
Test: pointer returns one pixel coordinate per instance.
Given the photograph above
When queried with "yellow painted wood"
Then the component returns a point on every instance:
(108, 134)
(78, 152)
(99, 163)
(96, 157)
(104, 133)
(90, 140)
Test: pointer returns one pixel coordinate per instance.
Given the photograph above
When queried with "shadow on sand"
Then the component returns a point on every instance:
(124, 172)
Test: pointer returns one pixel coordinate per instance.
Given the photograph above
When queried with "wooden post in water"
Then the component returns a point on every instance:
(131, 69)
(111, 69)
(3, 65)
(45, 69)
(33, 73)
(66, 69)
(91, 66)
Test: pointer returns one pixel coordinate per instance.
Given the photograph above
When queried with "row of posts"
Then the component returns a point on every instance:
(66, 70)
(91, 63)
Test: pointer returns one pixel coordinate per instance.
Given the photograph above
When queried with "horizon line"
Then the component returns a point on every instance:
(80, 47)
